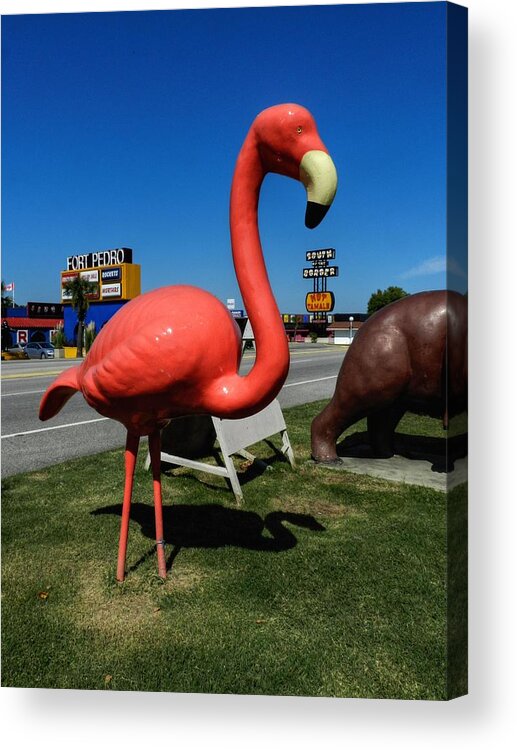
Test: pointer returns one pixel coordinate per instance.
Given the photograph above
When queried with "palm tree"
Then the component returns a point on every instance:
(77, 292)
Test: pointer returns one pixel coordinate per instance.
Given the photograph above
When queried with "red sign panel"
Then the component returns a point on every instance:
(69, 275)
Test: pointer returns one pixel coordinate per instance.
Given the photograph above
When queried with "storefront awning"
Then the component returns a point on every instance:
(48, 323)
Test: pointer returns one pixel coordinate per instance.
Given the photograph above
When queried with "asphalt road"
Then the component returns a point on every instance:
(28, 444)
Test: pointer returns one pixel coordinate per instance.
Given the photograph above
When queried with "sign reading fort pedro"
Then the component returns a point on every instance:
(99, 259)
(113, 273)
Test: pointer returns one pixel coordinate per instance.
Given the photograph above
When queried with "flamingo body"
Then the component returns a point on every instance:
(176, 351)
(182, 344)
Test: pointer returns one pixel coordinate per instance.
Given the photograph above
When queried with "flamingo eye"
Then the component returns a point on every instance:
(299, 129)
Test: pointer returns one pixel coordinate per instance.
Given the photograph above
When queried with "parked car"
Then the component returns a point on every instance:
(35, 350)
(19, 351)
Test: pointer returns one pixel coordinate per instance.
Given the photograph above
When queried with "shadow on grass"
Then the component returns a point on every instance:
(441, 453)
(212, 526)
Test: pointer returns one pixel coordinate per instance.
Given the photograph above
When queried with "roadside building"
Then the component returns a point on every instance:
(116, 279)
(35, 322)
(345, 326)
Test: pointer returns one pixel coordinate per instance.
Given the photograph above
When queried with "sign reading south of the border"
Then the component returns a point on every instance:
(319, 302)
(99, 258)
(328, 253)
(313, 273)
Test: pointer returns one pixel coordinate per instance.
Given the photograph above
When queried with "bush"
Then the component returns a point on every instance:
(313, 337)
(59, 339)
(89, 335)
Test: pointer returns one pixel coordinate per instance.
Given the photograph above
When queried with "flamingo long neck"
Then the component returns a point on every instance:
(248, 394)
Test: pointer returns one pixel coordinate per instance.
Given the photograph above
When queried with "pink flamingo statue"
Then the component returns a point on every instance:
(176, 351)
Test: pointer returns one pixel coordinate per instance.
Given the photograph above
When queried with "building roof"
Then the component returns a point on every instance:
(33, 322)
(345, 326)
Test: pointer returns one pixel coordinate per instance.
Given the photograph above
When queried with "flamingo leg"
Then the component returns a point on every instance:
(131, 453)
(155, 454)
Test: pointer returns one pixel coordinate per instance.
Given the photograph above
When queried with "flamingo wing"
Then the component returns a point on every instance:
(57, 394)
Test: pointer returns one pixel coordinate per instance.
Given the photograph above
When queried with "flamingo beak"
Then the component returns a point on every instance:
(318, 174)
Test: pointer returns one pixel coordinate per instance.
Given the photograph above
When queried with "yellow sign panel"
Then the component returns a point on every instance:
(113, 283)
(319, 302)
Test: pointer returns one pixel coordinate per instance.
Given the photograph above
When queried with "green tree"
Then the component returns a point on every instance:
(77, 292)
(382, 298)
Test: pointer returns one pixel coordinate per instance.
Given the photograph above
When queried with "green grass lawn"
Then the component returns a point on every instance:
(322, 583)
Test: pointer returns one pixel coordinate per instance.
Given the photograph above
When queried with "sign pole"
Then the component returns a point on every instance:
(321, 301)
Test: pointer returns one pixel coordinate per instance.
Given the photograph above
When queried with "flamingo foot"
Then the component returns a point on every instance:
(155, 454)
(131, 453)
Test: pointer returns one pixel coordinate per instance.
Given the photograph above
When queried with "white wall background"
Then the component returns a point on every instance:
(58, 719)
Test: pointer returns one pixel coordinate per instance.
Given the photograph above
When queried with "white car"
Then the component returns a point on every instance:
(36, 350)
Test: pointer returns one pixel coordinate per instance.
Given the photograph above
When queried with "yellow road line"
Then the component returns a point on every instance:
(335, 348)
(33, 374)
(44, 374)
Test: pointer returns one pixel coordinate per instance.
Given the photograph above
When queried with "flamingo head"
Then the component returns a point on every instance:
(289, 144)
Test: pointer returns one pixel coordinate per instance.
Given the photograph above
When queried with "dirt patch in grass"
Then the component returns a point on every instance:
(345, 479)
(314, 507)
(320, 508)
(185, 577)
(126, 610)
(130, 607)
(40, 476)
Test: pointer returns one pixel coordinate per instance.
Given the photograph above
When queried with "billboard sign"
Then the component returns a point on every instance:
(319, 302)
(111, 274)
(100, 258)
(325, 272)
(111, 281)
(328, 253)
(111, 290)
(44, 310)
(92, 276)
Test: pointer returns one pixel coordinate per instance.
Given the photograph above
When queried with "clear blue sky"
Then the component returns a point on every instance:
(122, 129)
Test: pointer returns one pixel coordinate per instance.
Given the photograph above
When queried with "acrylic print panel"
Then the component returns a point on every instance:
(345, 574)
